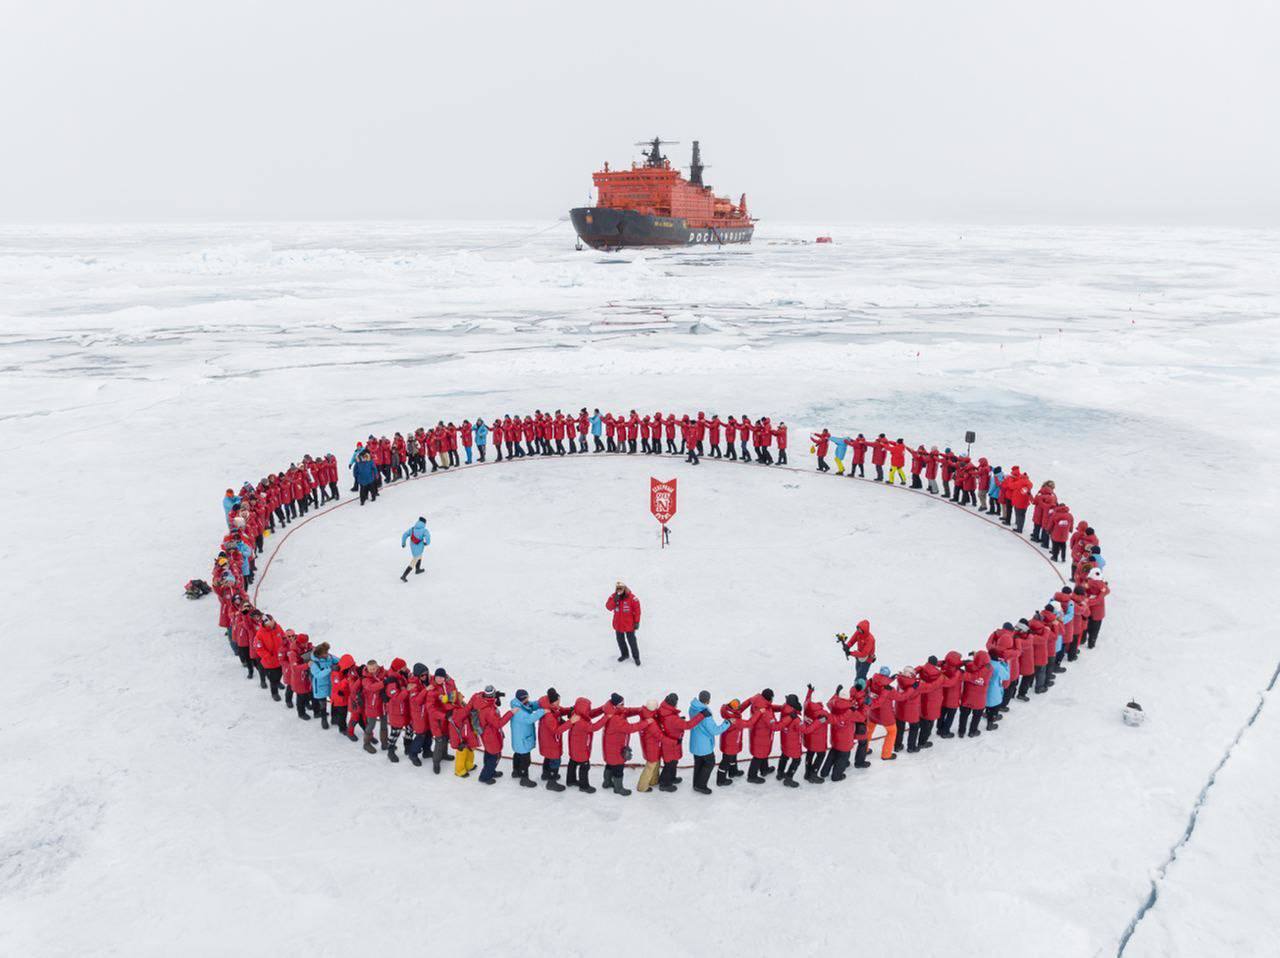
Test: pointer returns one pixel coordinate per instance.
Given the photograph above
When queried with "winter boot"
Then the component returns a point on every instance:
(405, 575)
(618, 788)
(589, 789)
(702, 789)
(790, 782)
(391, 754)
(527, 782)
(671, 788)
(324, 720)
(553, 782)
(371, 748)
(417, 762)
(723, 779)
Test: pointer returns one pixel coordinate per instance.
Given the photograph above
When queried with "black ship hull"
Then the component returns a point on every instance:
(605, 228)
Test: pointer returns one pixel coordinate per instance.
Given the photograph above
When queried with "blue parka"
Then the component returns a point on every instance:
(320, 671)
(524, 726)
(419, 532)
(229, 503)
(841, 443)
(366, 472)
(993, 489)
(702, 737)
(595, 424)
(482, 434)
(995, 687)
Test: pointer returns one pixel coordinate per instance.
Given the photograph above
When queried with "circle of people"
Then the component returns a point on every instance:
(439, 724)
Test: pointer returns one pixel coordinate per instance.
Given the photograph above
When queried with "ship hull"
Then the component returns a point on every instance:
(606, 228)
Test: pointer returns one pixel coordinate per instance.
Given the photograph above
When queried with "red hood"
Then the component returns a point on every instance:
(346, 662)
(929, 672)
(981, 659)
(814, 710)
(582, 707)
(726, 712)
(545, 703)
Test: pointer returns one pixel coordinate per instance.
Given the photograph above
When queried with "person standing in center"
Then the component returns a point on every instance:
(626, 621)
(417, 538)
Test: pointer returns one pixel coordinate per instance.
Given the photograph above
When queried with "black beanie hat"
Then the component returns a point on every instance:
(768, 695)
(1007, 625)
(553, 695)
(704, 697)
(419, 670)
(933, 660)
(441, 673)
(615, 698)
(672, 699)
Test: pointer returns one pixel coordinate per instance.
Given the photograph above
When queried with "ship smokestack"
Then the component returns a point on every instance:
(695, 166)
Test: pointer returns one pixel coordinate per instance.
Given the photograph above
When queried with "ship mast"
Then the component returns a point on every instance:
(695, 166)
(653, 157)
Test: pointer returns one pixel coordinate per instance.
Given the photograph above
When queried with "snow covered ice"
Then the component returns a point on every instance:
(155, 801)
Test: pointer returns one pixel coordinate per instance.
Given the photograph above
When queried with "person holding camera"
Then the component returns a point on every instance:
(626, 621)
(861, 647)
(491, 734)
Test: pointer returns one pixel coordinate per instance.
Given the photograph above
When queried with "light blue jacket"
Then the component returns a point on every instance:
(482, 434)
(229, 503)
(245, 554)
(596, 424)
(841, 443)
(1067, 616)
(524, 727)
(320, 670)
(995, 688)
(702, 737)
(993, 489)
(419, 531)
(355, 455)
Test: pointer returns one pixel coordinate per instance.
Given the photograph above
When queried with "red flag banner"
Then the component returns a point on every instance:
(662, 499)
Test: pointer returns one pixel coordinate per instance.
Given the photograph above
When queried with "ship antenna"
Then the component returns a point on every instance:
(653, 156)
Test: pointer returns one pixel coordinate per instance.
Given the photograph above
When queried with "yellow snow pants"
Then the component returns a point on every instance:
(464, 760)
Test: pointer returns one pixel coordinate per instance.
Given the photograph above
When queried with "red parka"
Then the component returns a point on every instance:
(977, 674)
(618, 729)
(626, 611)
(582, 732)
(673, 728)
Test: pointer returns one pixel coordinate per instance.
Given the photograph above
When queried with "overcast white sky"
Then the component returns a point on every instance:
(910, 110)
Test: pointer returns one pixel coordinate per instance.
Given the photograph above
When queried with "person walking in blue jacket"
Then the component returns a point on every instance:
(841, 443)
(995, 690)
(482, 438)
(366, 474)
(524, 736)
(702, 741)
(322, 666)
(596, 425)
(417, 538)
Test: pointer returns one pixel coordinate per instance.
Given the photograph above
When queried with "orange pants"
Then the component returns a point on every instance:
(890, 736)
